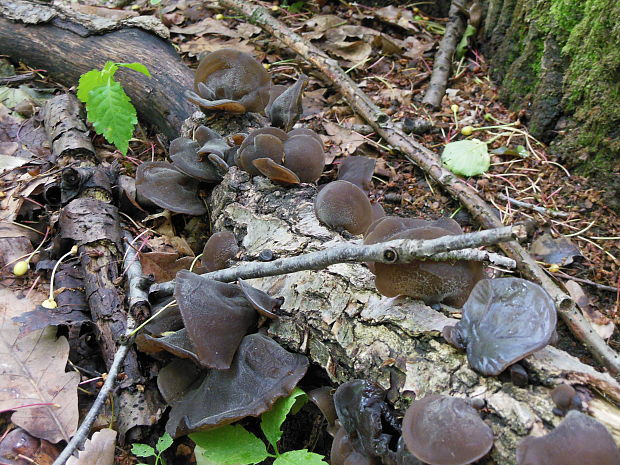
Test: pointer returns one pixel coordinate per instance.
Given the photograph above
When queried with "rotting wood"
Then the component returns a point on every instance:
(443, 58)
(66, 44)
(430, 163)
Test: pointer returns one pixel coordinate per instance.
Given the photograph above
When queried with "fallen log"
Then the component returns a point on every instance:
(66, 44)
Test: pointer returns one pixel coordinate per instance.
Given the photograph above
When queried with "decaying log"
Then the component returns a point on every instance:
(336, 317)
(430, 163)
(66, 44)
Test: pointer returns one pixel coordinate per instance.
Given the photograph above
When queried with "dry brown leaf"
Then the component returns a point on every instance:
(400, 16)
(206, 26)
(352, 51)
(33, 372)
(346, 140)
(601, 324)
(210, 44)
(99, 450)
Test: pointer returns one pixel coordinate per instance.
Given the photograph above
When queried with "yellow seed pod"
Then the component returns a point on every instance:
(20, 268)
(454, 107)
(49, 303)
(219, 16)
(554, 268)
(467, 130)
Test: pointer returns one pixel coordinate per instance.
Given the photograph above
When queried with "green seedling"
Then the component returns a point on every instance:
(233, 444)
(50, 302)
(145, 451)
(108, 107)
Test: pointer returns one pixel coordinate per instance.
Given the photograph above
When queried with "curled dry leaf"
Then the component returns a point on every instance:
(601, 324)
(99, 450)
(33, 372)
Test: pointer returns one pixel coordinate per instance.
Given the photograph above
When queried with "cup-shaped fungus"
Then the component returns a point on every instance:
(261, 372)
(230, 80)
(160, 183)
(221, 247)
(343, 451)
(185, 158)
(578, 440)
(430, 281)
(261, 143)
(216, 315)
(304, 156)
(262, 302)
(286, 108)
(174, 342)
(443, 430)
(343, 205)
(174, 379)
(565, 398)
(357, 170)
(276, 173)
(504, 320)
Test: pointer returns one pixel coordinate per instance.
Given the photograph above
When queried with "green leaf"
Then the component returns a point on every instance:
(522, 151)
(228, 445)
(466, 157)
(112, 114)
(300, 457)
(461, 48)
(155, 2)
(139, 67)
(164, 442)
(272, 420)
(142, 450)
(88, 82)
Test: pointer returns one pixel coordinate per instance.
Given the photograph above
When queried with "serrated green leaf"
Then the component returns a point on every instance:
(88, 82)
(466, 157)
(139, 67)
(112, 114)
(300, 457)
(109, 68)
(228, 445)
(164, 442)
(142, 450)
(272, 420)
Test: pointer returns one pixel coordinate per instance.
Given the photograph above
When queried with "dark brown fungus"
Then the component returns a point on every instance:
(364, 413)
(276, 173)
(261, 143)
(174, 379)
(230, 80)
(286, 108)
(430, 281)
(504, 320)
(176, 343)
(578, 440)
(341, 204)
(262, 302)
(344, 453)
(261, 372)
(443, 430)
(168, 318)
(304, 156)
(221, 247)
(323, 398)
(216, 315)
(565, 398)
(377, 210)
(214, 147)
(357, 170)
(305, 132)
(160, 183)
(185, 157)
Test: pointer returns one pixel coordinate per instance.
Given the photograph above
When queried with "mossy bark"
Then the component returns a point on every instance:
(560, 60)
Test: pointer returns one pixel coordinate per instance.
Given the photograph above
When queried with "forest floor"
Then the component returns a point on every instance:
(389, 53)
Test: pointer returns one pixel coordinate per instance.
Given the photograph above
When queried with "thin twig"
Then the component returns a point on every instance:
(429, 162)
(398, 251)
(536, 208)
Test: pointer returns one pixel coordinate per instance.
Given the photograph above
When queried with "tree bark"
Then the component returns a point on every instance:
(67, 44)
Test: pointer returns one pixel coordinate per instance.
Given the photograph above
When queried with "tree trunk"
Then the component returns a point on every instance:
(560, 60)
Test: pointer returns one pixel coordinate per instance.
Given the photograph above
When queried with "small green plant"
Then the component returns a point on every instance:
(144, 450)
(108, 107)
(234, 445)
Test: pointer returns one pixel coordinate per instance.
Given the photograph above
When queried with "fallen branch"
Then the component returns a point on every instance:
(536, 208)
(398, 251)
(429, 163)
(443, 58)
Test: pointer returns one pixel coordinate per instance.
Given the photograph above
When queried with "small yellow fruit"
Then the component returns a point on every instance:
(554, 268)
(488, 116)
(219, 16)
(454, 107)
(20, 268)
(74, 250)
(275, 8)
(467, 130)
(49, 303)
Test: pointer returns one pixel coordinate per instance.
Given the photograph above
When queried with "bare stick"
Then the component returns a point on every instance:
(443, 58)
(429, 163)
(398, 251)
(536, 208)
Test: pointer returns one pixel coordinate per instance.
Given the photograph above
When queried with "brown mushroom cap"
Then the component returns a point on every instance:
(262, 302)
(261, 143)
(261, 372)
(357, 170)
(343, 453)
(221, 247)
(231, 80)
(442, 430)
(323, 398)
(216, 315)
(185, 157)
(176, 343)
(430, 281)
(174, 379)
(276, 173)
(286, 108)
(578, 440)
(305, 132)
(341, 204)
(304, 156)
(504, 320)
(166, 187)
(565, 398)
